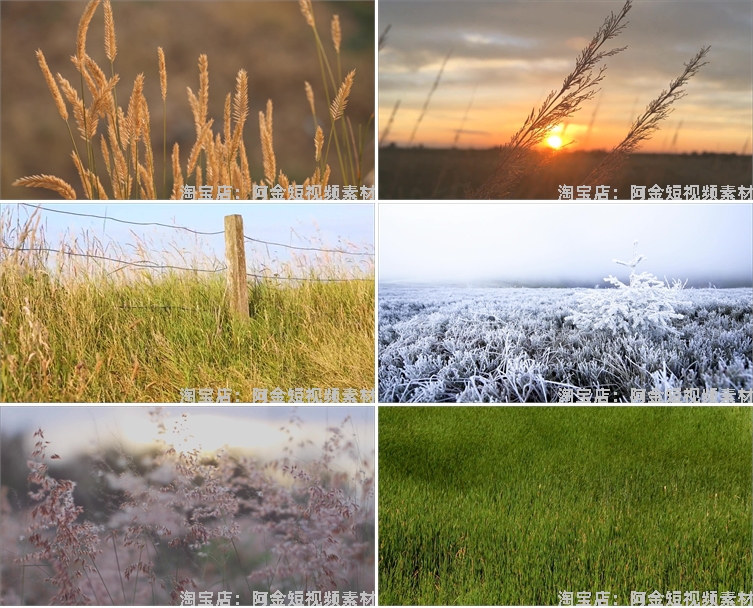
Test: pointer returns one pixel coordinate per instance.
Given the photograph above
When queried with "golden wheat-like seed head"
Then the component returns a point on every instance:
(318, 143)
(341, 99)
(240, 103)
(52, 85)
(269, 116)
(111, 48)
(147, 183)
(308, 11)
(83, 27)
(193, 102)
(177, 173)
(200, 144)
(310, 97)
(133, 117)
(336, 33)
(245, 172)
(83, 175)
(203, 88)
(50, 182)
(240, 110)
(81, 67)
(105, 155)
(99, 77)
(268, 154)
(162, 73)
(283, 180)
(79, 112)
(226, 116)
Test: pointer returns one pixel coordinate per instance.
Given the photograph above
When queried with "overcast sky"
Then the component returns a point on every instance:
(338, 225)
(255, 429)
(507, 55)
(540, 244)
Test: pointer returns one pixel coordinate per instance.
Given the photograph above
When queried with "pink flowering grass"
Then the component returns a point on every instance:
(171, 521)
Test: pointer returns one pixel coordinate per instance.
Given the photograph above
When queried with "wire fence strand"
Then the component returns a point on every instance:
(154, 266)
(199, 232)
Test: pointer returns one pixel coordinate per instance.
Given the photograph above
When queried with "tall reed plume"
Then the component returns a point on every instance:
(519, 158)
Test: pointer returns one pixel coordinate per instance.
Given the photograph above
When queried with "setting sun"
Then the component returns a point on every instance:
(554, 141)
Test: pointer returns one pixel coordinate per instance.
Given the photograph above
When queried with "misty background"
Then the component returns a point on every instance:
(556, 245)
(253, 430)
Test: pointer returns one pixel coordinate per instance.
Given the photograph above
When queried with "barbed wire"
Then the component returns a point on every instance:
(114, 219)
(158, 306)
(154, 266)
(139, 264)
(248, 238)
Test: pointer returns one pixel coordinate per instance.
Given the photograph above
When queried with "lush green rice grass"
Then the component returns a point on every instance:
(510, 505)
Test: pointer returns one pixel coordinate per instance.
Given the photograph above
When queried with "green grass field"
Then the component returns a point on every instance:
(511, 505)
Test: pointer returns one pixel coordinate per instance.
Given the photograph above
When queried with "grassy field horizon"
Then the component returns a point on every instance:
(420, 172)
(512, 505)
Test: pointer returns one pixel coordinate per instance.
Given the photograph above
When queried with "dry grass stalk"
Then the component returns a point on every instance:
(282, 179)
(428, 97)
(240, 110)
(226, 115)
(336, 33)
(647, 123)
(517, 157)
(59, 103)
(83, 27)
(341, 99)
(246, 184)
(386, 131)
(177, 173)
(310, 98)
(203, 89)
(163, 91)
(307, 11)
(267, 149)
(318, 143)
(111, 47)
(198, 146)
(162, 73)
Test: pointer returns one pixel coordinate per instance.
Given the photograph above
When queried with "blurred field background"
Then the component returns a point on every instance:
(271, 40)
(440, 173)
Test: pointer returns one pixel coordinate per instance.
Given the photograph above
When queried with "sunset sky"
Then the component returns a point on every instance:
(506, 56)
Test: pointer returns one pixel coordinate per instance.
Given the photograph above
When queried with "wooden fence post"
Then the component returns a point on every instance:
(235, 255)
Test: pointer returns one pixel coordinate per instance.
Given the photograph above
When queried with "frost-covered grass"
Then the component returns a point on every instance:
(525, 345)
(511, 505)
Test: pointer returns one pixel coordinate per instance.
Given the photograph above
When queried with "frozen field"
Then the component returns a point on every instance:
(528, 345)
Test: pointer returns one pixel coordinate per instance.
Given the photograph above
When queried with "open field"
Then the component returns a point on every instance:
(425, 173)
(526, 345)
(108, 323)
(138, 512)
(512, 505)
